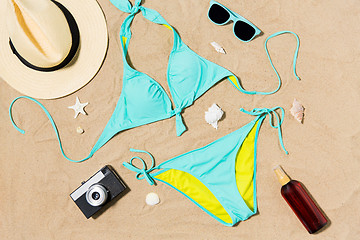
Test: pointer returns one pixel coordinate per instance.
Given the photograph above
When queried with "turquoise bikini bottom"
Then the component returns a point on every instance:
(220, 177)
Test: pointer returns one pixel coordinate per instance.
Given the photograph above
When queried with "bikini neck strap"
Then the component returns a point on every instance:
(294, 60)
(149, 14)
(263, 112)
(272, 65)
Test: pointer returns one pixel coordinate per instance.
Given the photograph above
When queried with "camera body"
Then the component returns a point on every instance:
(97, 191)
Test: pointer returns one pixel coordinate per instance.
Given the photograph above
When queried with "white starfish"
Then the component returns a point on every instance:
(79, 107)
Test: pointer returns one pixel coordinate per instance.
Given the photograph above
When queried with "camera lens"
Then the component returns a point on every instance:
(96, 195)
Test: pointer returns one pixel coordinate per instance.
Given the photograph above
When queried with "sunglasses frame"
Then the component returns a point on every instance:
(234, 17)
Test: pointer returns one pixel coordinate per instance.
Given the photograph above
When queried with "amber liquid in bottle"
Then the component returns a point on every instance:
(300, 202)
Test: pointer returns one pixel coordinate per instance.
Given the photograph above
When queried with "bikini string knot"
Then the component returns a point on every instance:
(180, 126)
(263, 112)
(142, 173)
(136, 7)
(125, 6)
(177, 111)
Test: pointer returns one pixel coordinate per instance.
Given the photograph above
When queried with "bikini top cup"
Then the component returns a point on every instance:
(188, 77)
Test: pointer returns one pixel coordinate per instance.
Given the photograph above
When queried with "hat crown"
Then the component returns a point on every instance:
(39, 31)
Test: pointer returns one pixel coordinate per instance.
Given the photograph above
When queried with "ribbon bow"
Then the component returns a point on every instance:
(269, 112)
(144, 171)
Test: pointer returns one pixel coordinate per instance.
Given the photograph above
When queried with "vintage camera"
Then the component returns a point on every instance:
(97, 191)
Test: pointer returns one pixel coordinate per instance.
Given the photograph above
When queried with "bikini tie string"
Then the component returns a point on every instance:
(294, 60)
(51, 121)
(263, 112)
(144, 171)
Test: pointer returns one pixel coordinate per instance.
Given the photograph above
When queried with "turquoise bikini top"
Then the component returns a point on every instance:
(143, 100)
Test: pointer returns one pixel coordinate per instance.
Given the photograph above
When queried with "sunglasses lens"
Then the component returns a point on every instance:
(218, 14)
(244, 31)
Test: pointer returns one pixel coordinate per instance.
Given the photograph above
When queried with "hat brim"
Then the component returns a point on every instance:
(85, 65)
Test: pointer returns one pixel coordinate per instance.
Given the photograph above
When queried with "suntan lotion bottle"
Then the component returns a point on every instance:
(300, 202)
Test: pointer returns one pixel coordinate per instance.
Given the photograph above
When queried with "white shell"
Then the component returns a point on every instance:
(79, 130)
(152, 199)
(218, 48)
(213, 115)
(297, 111)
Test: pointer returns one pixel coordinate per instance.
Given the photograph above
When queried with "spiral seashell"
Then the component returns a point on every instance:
(218, 48)
(213, 115)
(297, 111)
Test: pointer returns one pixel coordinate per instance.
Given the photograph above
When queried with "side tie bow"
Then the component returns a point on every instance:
(144, 171)
(270, 112)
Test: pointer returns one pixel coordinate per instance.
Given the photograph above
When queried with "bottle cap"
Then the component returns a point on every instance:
(281, 175)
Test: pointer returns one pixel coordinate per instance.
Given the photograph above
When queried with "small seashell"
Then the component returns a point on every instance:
(213, 115)
(218, 48)
(152, 199)
(79, 130)
(297, 111)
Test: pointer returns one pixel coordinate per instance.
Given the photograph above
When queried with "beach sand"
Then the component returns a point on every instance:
(324, 152)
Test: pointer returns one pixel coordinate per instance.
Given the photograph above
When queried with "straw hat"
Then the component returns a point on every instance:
(49, 49)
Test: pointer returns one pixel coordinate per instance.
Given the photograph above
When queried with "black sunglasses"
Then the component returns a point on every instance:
(243, 29)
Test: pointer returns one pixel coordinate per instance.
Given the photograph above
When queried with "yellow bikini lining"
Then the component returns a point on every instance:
(196, 190)
(244, 168)
(233, 79)
(124, 39)
(167, 26)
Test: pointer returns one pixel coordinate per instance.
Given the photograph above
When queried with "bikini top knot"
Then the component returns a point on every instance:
(136, 7)
(126, 6)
